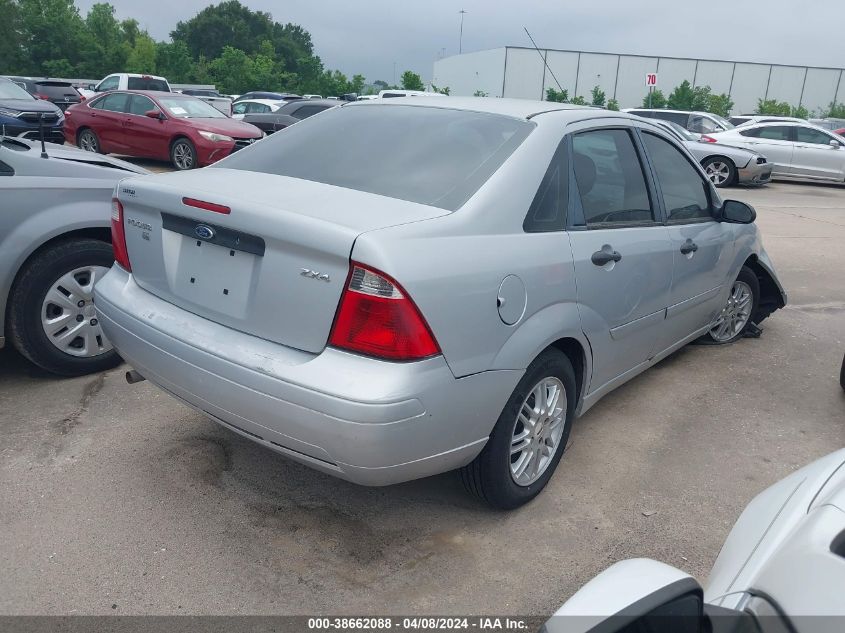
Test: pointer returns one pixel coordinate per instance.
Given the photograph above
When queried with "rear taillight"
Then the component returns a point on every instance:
(376, 317)
(118, 235)
(708, 139)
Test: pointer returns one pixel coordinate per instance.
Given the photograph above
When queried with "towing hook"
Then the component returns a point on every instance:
(133, 376)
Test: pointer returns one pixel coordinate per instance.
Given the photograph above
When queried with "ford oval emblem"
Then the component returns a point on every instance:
(204, 232)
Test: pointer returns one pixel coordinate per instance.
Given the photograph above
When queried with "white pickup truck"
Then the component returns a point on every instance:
(127, 81)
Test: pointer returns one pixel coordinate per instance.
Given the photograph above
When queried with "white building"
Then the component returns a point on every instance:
(521, 72)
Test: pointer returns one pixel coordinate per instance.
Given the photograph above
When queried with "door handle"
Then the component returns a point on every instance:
(689, 247)
(602, 257)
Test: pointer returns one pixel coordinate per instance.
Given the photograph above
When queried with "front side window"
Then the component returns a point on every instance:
(115, 102)
(811, 136)
(140, 105)
(306, 111)
(239, 108)
(109, 83)
(610, 179)
(433, 156)
(684, 190)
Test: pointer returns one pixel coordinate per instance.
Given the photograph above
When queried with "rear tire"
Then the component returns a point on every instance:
(720, 171)
(493, 475)
(87, 140)
(32, 313)
(183, 154)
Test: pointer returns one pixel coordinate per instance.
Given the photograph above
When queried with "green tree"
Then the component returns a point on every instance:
(720, 104)
(599, 98)
(613, 104)
(773, 107)
(142, 57)
(559, 96)
(11, 37)
(174, 61)
(357, 84)
(836, 110)
(231, 71)
(108, 55)
(481, 93)
(53, 30)
(657, 100)
(579, 100)
(412, 81)
(443, 91)
(682, 97)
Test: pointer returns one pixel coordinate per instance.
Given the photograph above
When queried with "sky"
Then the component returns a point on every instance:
(378, 38)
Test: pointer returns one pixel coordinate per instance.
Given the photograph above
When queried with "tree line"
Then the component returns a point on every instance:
(227, 45)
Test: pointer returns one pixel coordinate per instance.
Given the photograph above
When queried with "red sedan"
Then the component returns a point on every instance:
(162, 125)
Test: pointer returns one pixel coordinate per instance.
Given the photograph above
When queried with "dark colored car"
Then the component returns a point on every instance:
(199, 92)
(21, 114)
(61, 93)
(161, 125)
(275, 96)
(289, 114)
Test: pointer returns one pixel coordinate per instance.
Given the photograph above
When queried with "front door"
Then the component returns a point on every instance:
(815, 157)
(702, 249)
(144, 135)
(622, 252)
(772, 141)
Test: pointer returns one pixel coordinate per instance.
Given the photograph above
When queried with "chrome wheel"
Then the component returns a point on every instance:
(537, 431)
(88, 141)
(68, 316)
(718, 172)
(734, 316)
(183, 156)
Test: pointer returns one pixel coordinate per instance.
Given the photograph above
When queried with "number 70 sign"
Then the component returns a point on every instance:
(651, 80)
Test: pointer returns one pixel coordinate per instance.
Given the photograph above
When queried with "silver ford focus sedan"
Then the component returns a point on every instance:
(393, 289)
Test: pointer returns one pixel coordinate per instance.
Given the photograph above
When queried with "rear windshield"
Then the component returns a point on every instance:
(56, 89)
(434, 156)
(147, 83)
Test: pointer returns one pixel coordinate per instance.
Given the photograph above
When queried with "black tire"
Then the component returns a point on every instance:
(94, 139)
(27, 296)
(488, 477)
(842, 375)
(185, 143)
(745, 275)
(732, 173)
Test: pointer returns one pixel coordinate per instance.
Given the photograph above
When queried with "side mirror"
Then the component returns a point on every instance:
(632, 596)
(835, 144)
(737, 212)
(154, 114)
(92, 87)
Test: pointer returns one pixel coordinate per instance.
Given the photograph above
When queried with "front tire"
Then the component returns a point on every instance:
(87, 140)
(183, 154)
(52, 321)
(735, 317)
(529, 438)
(720, 171)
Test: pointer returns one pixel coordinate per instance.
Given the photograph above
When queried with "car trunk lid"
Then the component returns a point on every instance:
(274, 266)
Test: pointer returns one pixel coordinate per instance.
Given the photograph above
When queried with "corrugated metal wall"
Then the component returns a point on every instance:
(521, 73)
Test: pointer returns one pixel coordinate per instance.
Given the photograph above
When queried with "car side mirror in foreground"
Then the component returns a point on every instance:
(835, 144)
(633, 596)
(153, 114)
(737, 212)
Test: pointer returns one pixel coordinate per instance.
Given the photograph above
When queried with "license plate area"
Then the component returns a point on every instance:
(214, 276)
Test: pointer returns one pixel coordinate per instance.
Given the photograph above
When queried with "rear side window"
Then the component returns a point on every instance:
(433, 156)
(115, 102)
(306, 111)
(5, 170)
(147, 83)
(684, 190)
(771, 132)
(702, 124)
(610, 179)
(548, 210)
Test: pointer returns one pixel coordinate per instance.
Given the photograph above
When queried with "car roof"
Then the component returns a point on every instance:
(519, 108)
(668, 110)
(264, 101)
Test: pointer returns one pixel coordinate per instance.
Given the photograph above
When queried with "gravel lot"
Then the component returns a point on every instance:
(117, 499)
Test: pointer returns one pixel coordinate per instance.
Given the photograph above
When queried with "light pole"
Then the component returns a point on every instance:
(461, 37)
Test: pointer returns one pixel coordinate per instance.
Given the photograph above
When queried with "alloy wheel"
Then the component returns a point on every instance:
(718, 172)
(183, 156)
(87, 141)
(735, 315)
(537, 431)
(68, 316)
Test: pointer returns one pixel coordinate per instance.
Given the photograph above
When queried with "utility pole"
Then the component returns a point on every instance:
(461, 37)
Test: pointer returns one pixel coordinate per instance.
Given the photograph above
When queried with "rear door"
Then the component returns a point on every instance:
(146, 136)
(815, 157)
(109, 122)
(775, 142)
(702, 249)
(622, 251)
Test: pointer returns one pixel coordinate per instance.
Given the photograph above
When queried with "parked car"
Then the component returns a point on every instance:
(55, 243)
(273, 96)
(22, 115)
(289, 114)
(742, 119)
(782, 568)
(416, 312)
(212, 98)
(59, 93)
(312, 96)
(391, 94)
(840, 131)
(723, 164)
(127, 81)
(842, 374)
(796, 150)
(255, 106)
(700, 122)
(165, 126)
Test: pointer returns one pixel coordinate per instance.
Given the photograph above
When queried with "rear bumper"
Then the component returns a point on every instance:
(364, 420)
(755, 174)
